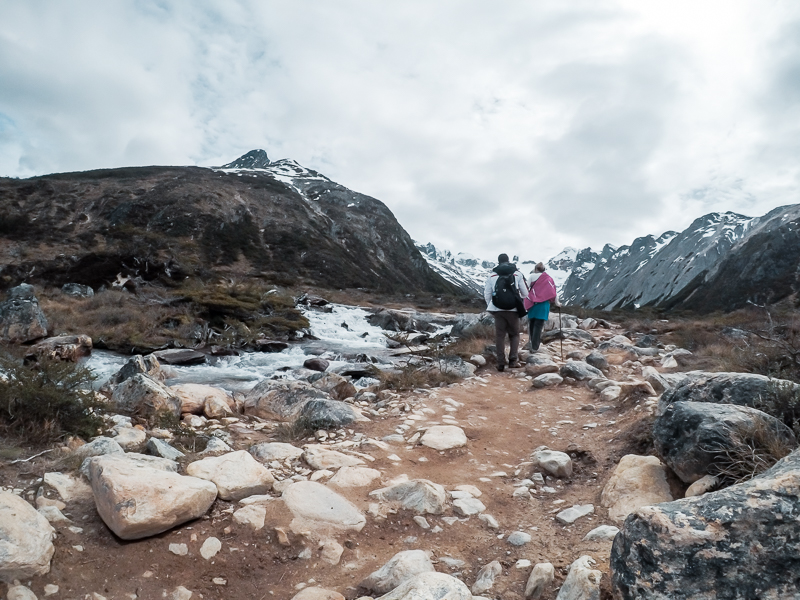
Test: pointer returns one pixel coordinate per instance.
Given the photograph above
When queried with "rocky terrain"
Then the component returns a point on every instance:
(274, 221)
(604, 467)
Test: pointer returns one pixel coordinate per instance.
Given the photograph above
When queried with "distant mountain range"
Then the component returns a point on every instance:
(722, 261)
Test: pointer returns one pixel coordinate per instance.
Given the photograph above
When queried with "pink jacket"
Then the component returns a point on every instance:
(542, 290)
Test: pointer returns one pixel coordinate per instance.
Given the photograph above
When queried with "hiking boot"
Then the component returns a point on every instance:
(514, 365)
(501, 368)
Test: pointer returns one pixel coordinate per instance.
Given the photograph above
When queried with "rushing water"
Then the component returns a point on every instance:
(342, 334)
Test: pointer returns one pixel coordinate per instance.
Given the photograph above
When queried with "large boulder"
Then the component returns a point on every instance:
(269, 451)
(317, 508)
(336, 386)
(21, 318)
(139, 395)
(742, 389)
(26, 540)
(577, 369)
(400, 568)
(739, 542)
(236, 474)
(280, 400)
(539, 364)
(694, 438)
(327, 414)
(444, 437)
(636, 481)
(198, 399)
(320, 457)
(138, 501)
(180, 356)
(148, 365)
(69, 348)
(430, 586)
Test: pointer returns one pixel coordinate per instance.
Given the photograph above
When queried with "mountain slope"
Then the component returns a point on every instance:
(253, 217)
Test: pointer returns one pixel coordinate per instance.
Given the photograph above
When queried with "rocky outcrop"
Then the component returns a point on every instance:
(26, 539)
(742, 389)
(739, 542)
(21, 318)
(696, 438)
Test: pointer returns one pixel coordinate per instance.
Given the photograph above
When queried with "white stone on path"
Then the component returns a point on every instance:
(470, 489)
(236, 474)
(540, 580)
(252, 516)
(486, 576)
(20, 592)
(522, 564)
(490, 521)
(636, 481)
(181, 593)
(50, 589)
(558, 464)
(68, 487)
(137, 501)
(444, 437)
(582, 582)
(420, 495)
(210, 548)
(400, 568)
(53, 514)
(468, 506)
(268, 451)
(602, 533)
(547, 380)
(316, 506)
(430, 586)
(317, 593)
(422, 522)
(572, 514)
(26, 539)
(179, 549)
(519, 538)
(129, 438)
(354, 477)
(319, 457)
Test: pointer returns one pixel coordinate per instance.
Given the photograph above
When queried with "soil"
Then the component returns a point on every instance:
(505, 421)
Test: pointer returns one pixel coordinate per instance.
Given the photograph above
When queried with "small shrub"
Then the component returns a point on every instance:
(47, 401)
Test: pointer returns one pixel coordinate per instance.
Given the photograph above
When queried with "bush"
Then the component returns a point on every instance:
(47, 401)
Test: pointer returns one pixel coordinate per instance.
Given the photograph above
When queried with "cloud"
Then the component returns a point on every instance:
(522, 126)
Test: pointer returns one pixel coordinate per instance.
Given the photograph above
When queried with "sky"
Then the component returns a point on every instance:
(521, 126)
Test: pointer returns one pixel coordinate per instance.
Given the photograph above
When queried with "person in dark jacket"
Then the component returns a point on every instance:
(506, 321)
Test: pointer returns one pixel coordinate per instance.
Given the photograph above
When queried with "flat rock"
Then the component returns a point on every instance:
(467, 507)
(129, 438)
(137, 501)
(572, 514)
(444, 437)
(26, 539)
(538, 364)
(739, 542)
(348, 477)
(319, 457)
(547, 380)
(742, 389)
(69, 348)
(69, 488)
(97, 447)
(180, 356)
(601, 533)
(280, 400)
(158, 447)
(519, 538)
(253, 516)
(484, 581)
(419, 495)
(268, 451)
(636, 481)
(401, 567)
(577, 369)
(236, 474)
(317, 506)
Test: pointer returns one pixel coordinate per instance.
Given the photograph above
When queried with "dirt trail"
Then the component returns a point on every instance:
(504, 419)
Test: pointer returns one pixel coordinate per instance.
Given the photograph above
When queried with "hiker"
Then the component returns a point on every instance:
(503, 293)
(537, 302)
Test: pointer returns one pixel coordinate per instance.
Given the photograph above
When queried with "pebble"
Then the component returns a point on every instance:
(519, 538)
(179, 549)
(422, 522)
(210, 548)
(572, 514)
(522, 564)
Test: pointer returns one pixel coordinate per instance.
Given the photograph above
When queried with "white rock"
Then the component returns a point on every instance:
(668, 362)
(400, 568)
(215, 445)
(347, 477)
(470, 489)
(319, 457)
(97, 447)
(210, 548)
(181, 593)
(252, 516)
(490, 521)
(582, 582)
(20, 592)
(636, 481)
(547, 380)
(522, 564)
(430, 586)
(142, 460)
(468, 506)
(602, 533)
(422, 522)
(572, 514)
(194, 397)
(611, 393)
(558, 464)
(478, 360)
(317, 506)
(420, 495)
(444, 437)
(53, 514)
(268, 451)
(317, 593)
(129, 438)
(158, 447)
(703, 485)
(486, 576)
(236, 474)
(137, 501)
(541, 578)
(50, 589)
(519, 538)
(68, 487)
(179, 549)
(26, 539)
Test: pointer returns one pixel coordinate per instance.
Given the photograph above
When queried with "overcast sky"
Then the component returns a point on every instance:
(516, 126)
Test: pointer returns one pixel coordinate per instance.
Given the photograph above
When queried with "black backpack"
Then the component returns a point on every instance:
(505, 294)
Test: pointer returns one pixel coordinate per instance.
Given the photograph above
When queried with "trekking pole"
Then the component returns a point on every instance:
(560, 334)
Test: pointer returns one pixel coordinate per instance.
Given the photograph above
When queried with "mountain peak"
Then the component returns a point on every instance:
(255, 159)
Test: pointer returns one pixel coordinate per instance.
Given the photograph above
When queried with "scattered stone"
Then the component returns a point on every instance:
(470, 489)
(582, 582)
(541, 579)
(422, 522)
(490, 521)
(579, 370)
(161, 448)
(477, 360)
(486, 576)
(602, 533)
(236, 474)
(751, 526)
(253, 516)
(216, 445)
(53, 514)
(77, 290)
(180, 356)
(69, 488)
(692, 437)
(336, 386)
(316, 364)
(702, 486)
(468, 506)
(636, 481)
(68, 348)
(317, 593)
(26, 539)
(129, 438)
(267, 451)
(50, 589)
(547, 380)
(143, 396)
(444, 437)
(146, 365)
(21, 319)
(179, 549)
(20, 592)
(319, 457)
(522, 564)
(597, 360)
(317, 506)
(538, 364)
(97, 447)
(354, 477)
(420, 495)
(610, 393)
(137, 501)
(210, 548)
(400, 568)
(572, 514)
(519, 538)
(558, 464)
(181, 593)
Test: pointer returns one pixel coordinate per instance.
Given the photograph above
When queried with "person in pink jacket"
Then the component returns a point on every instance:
(537, 303)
